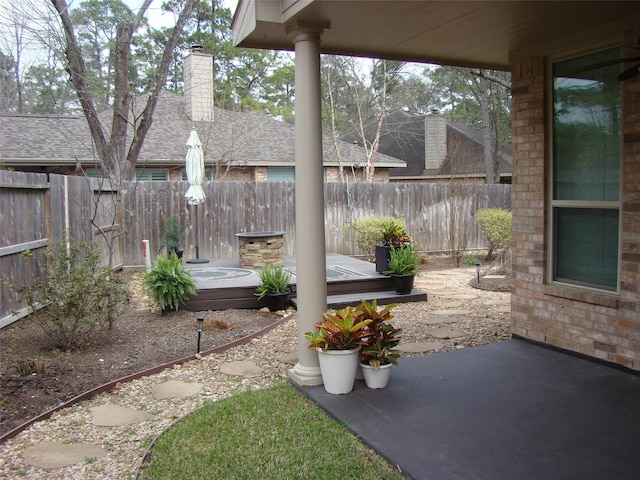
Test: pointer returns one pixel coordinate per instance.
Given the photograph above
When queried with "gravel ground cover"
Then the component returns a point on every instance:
(455, 316)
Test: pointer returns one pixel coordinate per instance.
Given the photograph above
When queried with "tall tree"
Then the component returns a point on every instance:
(357, 96)
(480, 99)
(118, 161)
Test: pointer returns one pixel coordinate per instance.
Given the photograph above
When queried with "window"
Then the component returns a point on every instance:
(585, 200)
(208, 175)
(152, 175)
(142, 174)
(281, 174)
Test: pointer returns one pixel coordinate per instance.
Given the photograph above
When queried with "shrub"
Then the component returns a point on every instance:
(76, 298)
(367, 231)
(495, 225)
(168, 283)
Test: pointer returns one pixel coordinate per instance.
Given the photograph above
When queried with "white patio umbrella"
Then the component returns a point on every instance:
(195, 176)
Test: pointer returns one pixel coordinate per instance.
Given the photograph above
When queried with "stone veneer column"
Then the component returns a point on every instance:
(311, 261)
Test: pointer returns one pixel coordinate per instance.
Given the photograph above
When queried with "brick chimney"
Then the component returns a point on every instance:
(198, 85)
(435, 140)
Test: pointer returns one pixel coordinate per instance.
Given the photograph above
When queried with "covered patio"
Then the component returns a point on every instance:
(504, 411)
(510, 410)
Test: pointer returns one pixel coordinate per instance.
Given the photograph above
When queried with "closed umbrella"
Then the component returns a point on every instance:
(195, 175)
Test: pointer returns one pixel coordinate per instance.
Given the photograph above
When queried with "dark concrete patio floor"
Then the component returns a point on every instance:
(509, 410)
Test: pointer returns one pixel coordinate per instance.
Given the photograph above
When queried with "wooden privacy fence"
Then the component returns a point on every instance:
(37, 209)
(234, 207)
(35, 212)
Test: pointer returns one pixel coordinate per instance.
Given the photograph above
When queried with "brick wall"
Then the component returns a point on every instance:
(603, 326)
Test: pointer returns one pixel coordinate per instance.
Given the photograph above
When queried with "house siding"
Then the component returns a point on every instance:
(604, 326)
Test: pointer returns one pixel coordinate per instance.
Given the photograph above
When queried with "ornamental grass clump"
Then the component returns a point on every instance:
(169, 283)
(274, 280)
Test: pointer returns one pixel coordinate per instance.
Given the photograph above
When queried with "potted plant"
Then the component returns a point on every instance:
(274, 287)
(402, 267)
(393, 236)
(173, 237)
(169, 283)
(378, 355)
(337, 341)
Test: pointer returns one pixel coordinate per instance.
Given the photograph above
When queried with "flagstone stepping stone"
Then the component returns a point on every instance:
(175, 389)
(451, 312)
(454, 304)
(437, 320)
(111, 415)
(290, 359)
(59, 455)
(463, 296)
(498, 301)
(419, 347)
(433, 288)
(241, 368)
(445, 293)
(446, 332)
(430, 281)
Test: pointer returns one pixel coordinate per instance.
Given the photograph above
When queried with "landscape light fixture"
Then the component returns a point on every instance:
(478, 271)
(199, 322)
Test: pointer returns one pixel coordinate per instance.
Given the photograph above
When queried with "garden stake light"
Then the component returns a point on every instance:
(200, 321)
(478, 271)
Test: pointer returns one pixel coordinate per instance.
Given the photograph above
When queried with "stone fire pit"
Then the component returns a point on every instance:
(258, 249)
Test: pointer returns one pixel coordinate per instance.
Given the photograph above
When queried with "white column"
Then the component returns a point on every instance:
(311, 261)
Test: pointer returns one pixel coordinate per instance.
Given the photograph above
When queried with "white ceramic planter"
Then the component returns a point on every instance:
(376, 378)
(338, 369)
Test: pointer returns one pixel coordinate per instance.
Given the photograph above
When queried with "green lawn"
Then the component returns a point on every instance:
(270, 434)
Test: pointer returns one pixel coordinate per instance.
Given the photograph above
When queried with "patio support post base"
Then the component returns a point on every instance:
(304, 376)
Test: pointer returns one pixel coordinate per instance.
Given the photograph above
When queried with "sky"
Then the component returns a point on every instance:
(157, 18)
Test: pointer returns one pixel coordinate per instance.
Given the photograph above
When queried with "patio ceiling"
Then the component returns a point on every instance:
(464, 33)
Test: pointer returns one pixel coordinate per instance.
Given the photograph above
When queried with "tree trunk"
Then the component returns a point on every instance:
(487, 143)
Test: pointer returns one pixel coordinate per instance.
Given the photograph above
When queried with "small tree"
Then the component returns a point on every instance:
(495, 225)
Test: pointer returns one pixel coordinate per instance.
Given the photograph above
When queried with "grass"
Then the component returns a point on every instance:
(275, 433)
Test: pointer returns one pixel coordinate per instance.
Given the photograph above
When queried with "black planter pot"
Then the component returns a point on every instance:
(403, 283)
(277, 301)
(179, 253)
(383, 255)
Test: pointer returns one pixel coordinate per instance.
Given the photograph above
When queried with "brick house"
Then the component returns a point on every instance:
(576, 142)
(238, 146)
(434, 148)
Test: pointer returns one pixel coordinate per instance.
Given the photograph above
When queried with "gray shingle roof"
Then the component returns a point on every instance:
(249, 139)
(403, 137)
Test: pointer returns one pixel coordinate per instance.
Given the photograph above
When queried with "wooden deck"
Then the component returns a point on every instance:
(222, 284)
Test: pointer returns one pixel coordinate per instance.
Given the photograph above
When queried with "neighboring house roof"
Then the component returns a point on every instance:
(403, 136)
(245, 139)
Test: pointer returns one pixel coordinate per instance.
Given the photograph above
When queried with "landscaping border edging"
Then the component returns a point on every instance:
(143, 373)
